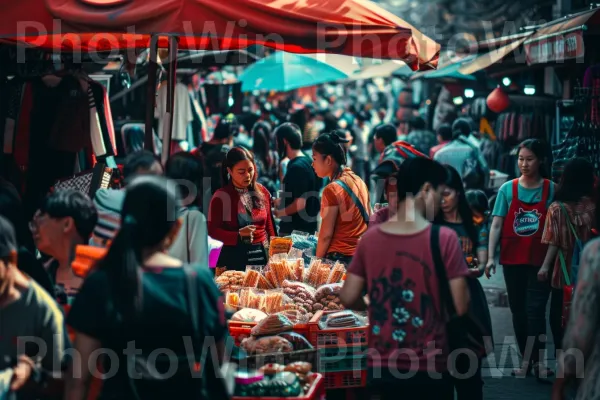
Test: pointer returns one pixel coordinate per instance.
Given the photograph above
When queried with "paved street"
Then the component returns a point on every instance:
(499, 385)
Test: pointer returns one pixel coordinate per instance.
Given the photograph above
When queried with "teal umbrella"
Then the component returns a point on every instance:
(286, 71)
(447, 72)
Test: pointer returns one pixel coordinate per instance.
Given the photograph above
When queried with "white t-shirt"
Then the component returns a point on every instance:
(182, 107)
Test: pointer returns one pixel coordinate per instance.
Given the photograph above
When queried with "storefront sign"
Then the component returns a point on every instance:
(555, 48)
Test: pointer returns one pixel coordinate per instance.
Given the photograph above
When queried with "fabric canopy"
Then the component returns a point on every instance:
(351, 27)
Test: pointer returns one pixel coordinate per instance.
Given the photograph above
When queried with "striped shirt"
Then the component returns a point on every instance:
(109, 203)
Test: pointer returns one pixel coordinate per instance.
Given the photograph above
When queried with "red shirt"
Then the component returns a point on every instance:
(405, 313)
(226, 205)
(437, 148)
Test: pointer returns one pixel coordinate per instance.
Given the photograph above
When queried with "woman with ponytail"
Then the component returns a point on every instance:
(140, 293)
(240, 214)
(345, 203)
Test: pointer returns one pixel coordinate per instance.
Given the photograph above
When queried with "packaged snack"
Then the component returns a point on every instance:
(301, 295)
(273, 300)
(296, 316)
(328, 297)
(228, 279)
(266, 345)
(280, 271)
(248, 315)
(297, 268)
(272, 325)
(270, 278)
(232, 299)
(271, 369)
(252, 276)
(251, 298)
(297, 340)
(343, 319)
(279, 245)
(337, 273)
(311, 276)
(299, 367)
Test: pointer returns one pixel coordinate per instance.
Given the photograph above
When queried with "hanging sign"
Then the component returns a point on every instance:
(556, 48)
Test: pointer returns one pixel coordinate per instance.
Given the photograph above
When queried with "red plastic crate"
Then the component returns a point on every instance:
(316, 392)
(345, 379)
(239, 333)
(336, 337)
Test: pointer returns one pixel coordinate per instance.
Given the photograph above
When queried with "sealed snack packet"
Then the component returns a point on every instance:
(279, 245)
(232, 298)
(273, 300)
(252, 276)
(251, 298)
(337, 273)
(272, 325)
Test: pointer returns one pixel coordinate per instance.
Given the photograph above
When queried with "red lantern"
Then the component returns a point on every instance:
(498, 100)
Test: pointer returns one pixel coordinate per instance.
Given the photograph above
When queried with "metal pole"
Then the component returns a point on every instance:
(172, 82)
(151, 94)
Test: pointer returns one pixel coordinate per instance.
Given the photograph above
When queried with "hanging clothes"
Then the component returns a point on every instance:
(183, 111)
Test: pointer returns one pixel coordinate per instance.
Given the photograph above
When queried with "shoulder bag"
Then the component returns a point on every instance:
(570, 279)
(355, 200)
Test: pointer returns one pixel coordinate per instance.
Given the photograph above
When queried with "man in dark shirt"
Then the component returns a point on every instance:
(298, 206)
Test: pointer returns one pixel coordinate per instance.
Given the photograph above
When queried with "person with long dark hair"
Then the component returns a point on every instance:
(240, 213)
(345, 203)
(138, 288)
(457, 215)
(519, 215)
(571, 218)
(266, 159)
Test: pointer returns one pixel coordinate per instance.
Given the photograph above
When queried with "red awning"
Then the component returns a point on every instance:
(352, 27)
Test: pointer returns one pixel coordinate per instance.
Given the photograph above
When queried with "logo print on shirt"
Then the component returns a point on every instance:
(526, 223)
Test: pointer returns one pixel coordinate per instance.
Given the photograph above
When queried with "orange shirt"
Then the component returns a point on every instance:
(350, 224)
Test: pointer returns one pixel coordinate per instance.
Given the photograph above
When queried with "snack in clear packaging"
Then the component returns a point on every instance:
(272, 325)
(343, 319)
(251, 298)
(297, 340)
(337, 273)
(248, 315)
(297, 268)
(301, 295)
(279, 271)
(232, 299)
(263, 283)
(273, 301)
(229, 279)
(271, 369)
(266, 345)
(328, 298)
(279, 245)
(311, 276)
(252, 276)
(299, 367)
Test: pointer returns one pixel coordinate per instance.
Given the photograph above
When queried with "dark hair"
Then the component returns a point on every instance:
(478, 200)
(74, 204)
(227, 127)
(461, 127)
(332, 144)
(538, 148)
(234, 156)
(290, 132)
(445, 132)
(186, 166)
(142, 159)
(577, 181)
(148, 215)
(261, 132)
(464, 210)
(11, 208)
(415, 172)
(417, 123)
(387, 133)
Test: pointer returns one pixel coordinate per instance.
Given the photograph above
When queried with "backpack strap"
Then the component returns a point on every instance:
(355, 199)
(564, 209)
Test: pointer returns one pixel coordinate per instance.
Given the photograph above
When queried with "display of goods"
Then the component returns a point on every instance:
(297, 340)
(252, 298)
(280, 271)
(232, 299)
(297, 267)
(273, 325)
(317, 273)
(248, 315)
(263, 283)
(343, 319)
(266, 345)
(295, 315)
(252, 276)
(230, 279)
(273, 301)
(279, 245)
(328, 297)
(271, 369)
(301, 295)
(337, 273)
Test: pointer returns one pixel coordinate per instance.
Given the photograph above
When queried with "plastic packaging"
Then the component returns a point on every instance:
(248, 315)
(273, 301)
(266, 345)
(252, 276)
(297, 340)
(272, 325)
(232, 298)
(337, 273)
(342, 319)
(297, 268)
(317, 273)
(301, 295)
(328, 297)
(251, 298)
(279, 245)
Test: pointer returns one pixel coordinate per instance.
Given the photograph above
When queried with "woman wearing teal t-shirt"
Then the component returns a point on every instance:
(518, 224)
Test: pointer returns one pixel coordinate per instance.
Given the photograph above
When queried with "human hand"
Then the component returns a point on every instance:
(21, 373)
(277, 203)
(476, 272)
(247, 232)
(543, 274)
(490, 268)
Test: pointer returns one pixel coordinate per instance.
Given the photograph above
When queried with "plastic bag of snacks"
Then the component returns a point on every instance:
(328, 297)
(232, 298)
(342, 319)
(297, 340)
(317, 273)
(278, 272)
(297, 268)
(251, 298)
(301, 295)
(263, 282)
(273, 301)
(272, 325)
(230, 278)
(266, 345)
(248, 315)
(279, 245)
(337, 273)
(252, 276)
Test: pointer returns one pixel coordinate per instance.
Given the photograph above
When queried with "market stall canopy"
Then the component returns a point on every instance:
(561, 39)
(351, 27)
(486, 60)
(283, 72)
(385, 69)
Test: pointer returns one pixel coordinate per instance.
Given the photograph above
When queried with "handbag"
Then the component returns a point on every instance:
(570, 279)
(464, 331)
(87, 182)
(213, 385)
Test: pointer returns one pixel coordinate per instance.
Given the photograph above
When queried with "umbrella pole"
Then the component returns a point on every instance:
(172, 82)
(151, 94)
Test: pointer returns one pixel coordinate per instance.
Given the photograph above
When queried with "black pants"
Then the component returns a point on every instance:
(527, 299)
(469, 387)
(556, 309)
(420, 386)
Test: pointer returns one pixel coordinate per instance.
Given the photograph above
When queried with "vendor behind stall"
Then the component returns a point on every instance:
(240, 214)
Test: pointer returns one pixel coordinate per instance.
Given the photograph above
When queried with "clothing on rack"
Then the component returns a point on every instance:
(183, 111)
(515, 127)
